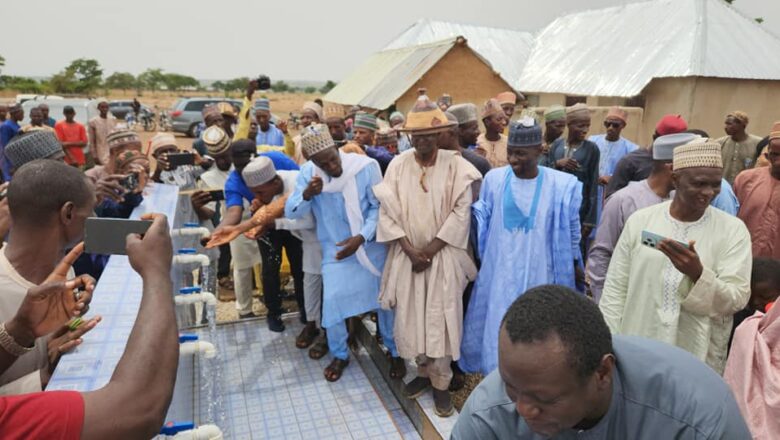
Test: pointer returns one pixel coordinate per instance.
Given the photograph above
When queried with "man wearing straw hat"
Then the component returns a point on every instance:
(425, 217)
(684, 288)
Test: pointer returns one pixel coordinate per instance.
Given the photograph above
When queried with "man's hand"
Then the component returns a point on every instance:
(585, 231)
(567, 164)
(204, 162)
(162, 162)
(65, 340)
(604, 180)
(313, 189)
(282, 125)
(5, 217)
(349, 246)
(154, 251)
(223, 235)
(579, 275)
(199, 199)
(685, 260)
(109, 188)
(255, 205)
(250, 89)
(48, 307)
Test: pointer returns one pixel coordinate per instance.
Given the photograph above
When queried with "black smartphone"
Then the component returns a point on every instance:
(263, 82)
(107, 236)
(179, 159)
(130, 183)
(216, 195)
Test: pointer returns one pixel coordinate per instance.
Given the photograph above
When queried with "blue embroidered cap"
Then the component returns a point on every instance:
(525, 132)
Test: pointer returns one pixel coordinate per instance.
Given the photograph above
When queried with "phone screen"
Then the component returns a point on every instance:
(217, 195)
(107, 236)
(179, 159)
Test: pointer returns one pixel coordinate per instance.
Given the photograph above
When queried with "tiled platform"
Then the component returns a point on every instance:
(274, 391)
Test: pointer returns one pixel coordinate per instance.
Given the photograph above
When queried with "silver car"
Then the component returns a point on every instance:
(186, 113)
(86, 109)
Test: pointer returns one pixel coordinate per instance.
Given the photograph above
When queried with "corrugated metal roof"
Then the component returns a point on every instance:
(505, 49)
(617, 51)
(385, 76)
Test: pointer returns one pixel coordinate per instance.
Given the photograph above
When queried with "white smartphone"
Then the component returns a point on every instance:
(652, 240)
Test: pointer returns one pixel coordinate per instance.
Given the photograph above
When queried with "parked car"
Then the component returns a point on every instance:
(86, 109)
(24, 97)
(186, 113)
(120, 109)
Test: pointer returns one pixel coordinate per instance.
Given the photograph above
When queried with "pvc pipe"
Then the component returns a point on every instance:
(192, 298)
(206, 349)
(189, 231)
(201, 259)
(205, 432)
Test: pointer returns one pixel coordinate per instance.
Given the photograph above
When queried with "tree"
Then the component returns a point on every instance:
(759, 20)
(175, 81)
(151, 79)
(329, 85)
(83, 75)
(23, 84)
(280, 87)
(310, 90)
(120, 80)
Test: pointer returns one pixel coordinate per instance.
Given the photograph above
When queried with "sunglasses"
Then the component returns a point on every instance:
(608, 124)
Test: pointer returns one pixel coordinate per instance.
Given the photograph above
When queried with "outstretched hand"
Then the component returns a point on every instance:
(223, 235)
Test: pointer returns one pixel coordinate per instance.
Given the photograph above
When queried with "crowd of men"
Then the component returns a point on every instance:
(596, 284)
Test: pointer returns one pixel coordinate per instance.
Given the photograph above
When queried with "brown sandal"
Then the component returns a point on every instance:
(307, 335)
(397, 367)
(334, 371)
(319, 349)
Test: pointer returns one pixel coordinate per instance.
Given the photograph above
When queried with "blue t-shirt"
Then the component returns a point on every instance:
(235, 188)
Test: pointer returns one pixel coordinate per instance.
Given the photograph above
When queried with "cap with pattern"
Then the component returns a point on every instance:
(386, 136)
(426, 118)
(161, 140)
(554, 113)
(316, 138)
(313, 106)
(263, 104)
(663, 146)
(525, 132)
(775, 132)
(577, 112)
(259, 171)
(30, 146)
(616, 112)
(334, 111)
(122, 137)
(464, 112)
(366, 121)
(492, 107)
(226, 109)
(128, 157)
(740, 116)
(700, 153)
(506, 98)
(216, 140)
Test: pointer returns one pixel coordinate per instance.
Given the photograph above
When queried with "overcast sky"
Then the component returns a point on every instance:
(300, 40)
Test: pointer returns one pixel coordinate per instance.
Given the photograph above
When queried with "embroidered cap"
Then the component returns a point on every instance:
(259, 171)
(700, 153)
(525, 133)
(316, 138)
(216, 140)
(39, 144)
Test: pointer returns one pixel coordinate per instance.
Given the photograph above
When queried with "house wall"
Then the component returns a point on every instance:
(462, 74)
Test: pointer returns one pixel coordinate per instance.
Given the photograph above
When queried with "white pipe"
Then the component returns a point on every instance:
(205, 432)
(207, 349)
(192, 298)
(203, 232)
(201, 259)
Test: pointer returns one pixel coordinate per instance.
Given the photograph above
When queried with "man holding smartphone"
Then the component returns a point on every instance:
(700, 286)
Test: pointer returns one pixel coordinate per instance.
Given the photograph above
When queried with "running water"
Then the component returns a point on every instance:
(212, 375)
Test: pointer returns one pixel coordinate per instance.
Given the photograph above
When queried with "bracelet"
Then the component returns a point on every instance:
(10, 345)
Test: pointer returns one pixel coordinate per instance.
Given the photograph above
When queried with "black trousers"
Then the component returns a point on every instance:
(223, 264)
(271, 245)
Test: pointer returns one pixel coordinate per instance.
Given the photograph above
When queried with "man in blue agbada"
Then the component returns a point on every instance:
(337, 186)
(528, 234)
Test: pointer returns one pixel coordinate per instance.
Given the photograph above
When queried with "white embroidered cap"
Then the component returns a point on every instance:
(259, 171)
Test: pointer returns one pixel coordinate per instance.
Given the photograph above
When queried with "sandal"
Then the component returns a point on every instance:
(319, 349)
(335, 369)
(307, 335)
(397, 367)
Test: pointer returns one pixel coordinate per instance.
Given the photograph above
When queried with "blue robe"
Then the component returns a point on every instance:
(610, 154)
(514, 261)
(273, 136)
(348, 288)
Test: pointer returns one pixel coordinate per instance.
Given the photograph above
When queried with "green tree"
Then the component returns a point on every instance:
(759, 20)
(81, 76)
(280, 87)
(120, 80)
(310, 90)
(175, 81)
(23, 84)
(329, 85)
(151, 79)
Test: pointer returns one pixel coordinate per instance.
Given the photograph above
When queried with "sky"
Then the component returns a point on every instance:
(302, 40)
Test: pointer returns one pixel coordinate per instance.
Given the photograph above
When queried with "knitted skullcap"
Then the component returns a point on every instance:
(525, 132)
(701, 153)
(259, 171)
(315, 138)
(216, 140)
(122, 137)
(39, 144)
